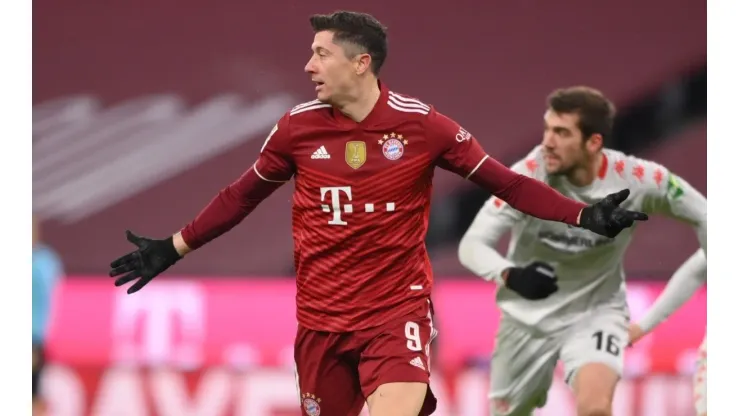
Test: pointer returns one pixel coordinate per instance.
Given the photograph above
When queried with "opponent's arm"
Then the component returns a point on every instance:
(669, 195)
(675, 198)
(232, 204)
(477, 250)
(461, 153)
(683, 284)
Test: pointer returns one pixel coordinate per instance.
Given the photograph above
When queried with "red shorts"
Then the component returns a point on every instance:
(336, 372)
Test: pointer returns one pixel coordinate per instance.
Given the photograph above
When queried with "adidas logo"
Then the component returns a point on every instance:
(321, 153)
(416, 362)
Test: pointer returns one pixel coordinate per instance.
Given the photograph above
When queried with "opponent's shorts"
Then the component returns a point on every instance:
(523, 363)
(700, 380)
(39, 360)
(336, 372)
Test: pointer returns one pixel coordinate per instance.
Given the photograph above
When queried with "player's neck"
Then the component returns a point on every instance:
(360, 106)
(586, 174)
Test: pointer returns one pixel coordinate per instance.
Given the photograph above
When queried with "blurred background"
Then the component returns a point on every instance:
(143, 111)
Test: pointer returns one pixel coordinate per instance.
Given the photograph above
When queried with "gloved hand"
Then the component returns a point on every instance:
(607, 218)
(534, 282)
(152, 258)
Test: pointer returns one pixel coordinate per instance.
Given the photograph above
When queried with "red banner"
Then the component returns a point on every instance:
(224, 347)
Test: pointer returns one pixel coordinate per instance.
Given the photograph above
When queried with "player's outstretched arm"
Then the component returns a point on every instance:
(461, 153)
(537, 199)
(232, 204)
(683, 284)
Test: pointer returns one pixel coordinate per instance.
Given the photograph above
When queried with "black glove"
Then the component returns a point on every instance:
(607, 218)
(152, 258)
(534, 282)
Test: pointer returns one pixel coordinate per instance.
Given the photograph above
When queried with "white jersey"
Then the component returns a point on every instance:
(589, 266)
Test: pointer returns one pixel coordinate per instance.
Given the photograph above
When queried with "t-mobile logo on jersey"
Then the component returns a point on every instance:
(336, 207)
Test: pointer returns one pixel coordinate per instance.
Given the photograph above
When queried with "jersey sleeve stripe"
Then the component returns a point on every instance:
(408, 105)
(408, 100)
(309, 108)
(476, 167)
(391, 104)
(306, 104)
(254, 167)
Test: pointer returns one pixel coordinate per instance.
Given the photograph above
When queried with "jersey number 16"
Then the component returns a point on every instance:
(611, 345)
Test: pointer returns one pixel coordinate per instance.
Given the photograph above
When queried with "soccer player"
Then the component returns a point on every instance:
(47, 271)
(362, 158)
(683, 284)
(560, 288)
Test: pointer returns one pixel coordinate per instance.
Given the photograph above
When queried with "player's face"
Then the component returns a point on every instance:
(331, 71)
(563, 144)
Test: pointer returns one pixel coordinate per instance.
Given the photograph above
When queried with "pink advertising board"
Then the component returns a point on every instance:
(224, 347)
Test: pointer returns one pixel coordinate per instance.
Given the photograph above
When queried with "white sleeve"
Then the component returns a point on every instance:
(675, 198)
(683, 284)
(477, 250)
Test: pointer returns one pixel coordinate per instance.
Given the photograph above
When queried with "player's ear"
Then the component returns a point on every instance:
(362, 63)
(595, 143)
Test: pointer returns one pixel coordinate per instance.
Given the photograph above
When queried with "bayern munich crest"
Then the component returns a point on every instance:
(311, 404)
(393, 145)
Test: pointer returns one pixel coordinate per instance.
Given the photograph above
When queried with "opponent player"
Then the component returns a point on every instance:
(560, 288)
(362, 158)
(683, 284)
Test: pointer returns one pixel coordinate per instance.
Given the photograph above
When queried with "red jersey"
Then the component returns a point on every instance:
(361, 204)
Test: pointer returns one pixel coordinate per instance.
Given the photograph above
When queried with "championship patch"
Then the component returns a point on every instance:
(355, 154)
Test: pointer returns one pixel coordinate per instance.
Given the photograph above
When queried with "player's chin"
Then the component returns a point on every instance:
(558, 170)
(323, 95)
(553, 168)
(324, 98)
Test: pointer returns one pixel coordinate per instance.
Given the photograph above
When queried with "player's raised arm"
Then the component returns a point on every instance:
(232, 204)
(683, 284)
(461, 153)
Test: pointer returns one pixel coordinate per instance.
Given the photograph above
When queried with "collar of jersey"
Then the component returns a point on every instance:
(375, 116)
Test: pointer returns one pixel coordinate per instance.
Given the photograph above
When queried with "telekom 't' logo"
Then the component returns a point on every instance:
(337, 207)
(162, 324)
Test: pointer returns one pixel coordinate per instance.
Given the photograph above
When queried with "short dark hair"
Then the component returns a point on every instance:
(359, 29)
(595, 112)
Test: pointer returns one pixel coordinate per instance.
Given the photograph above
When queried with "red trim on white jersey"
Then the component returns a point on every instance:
(604, 166)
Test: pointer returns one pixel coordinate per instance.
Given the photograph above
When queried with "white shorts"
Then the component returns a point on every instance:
(523, 363)
(700, 380)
